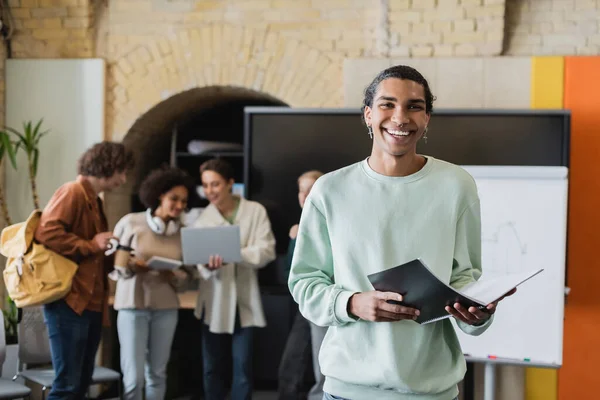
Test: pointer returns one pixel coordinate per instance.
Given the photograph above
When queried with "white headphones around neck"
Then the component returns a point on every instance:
(159, 227)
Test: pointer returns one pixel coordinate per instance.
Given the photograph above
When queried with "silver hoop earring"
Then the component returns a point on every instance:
(370, 131)
(425, 134)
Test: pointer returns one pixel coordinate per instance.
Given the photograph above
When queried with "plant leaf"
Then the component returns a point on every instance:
(19, 134)
(7, 145)
(37, 127)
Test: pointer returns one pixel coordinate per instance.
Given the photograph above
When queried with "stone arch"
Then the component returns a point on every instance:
(150, 136)
(253, 58)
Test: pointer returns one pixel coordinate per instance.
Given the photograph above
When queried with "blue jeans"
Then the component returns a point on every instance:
(74, 341)
(327, 396)
(145, 337)
(216, 349)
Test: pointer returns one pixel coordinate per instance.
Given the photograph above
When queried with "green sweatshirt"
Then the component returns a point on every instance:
(356, 222)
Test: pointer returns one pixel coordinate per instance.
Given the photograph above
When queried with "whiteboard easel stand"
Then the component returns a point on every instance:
(489, 392)
(489, 381)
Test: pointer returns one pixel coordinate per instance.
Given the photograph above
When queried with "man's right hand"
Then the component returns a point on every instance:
(102, 240)
(374, 306)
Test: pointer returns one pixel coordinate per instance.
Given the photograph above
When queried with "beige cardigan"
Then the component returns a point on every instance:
(236, 285)
(147, 290)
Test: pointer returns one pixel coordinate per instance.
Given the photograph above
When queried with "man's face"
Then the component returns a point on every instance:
(113, 182)
(397, 117)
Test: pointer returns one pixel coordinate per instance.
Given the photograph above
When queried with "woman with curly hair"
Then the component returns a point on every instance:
(146, 299)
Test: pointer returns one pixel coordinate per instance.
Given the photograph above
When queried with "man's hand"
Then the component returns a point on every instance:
(294, 231)
(373, 306)
(473, 315)
(102, 240)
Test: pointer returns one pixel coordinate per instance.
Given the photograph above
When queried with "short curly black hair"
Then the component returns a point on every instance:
(104, 159)
(160, 181)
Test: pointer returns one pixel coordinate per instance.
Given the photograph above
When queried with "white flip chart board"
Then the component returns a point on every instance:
(524, 226)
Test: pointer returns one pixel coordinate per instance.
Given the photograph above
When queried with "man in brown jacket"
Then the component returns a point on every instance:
(73, 224)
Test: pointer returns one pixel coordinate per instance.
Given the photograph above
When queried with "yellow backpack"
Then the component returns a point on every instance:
(34, 275)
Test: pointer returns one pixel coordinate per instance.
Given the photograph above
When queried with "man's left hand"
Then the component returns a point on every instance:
(473, 315)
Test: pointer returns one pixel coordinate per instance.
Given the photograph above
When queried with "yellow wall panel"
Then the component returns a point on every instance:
(547, 82)
(547, 91)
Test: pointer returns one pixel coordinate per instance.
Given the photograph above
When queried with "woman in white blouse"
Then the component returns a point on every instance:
(229, 297)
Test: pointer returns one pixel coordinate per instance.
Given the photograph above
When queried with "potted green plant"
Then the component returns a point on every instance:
(29, 141)
(11, 315)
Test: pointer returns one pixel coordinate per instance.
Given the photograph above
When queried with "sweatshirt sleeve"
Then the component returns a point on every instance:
(54, 229)
(262, 249)
(466, 266)
(311, 275)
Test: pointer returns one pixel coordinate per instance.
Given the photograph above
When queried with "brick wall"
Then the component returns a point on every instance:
(553, 27)
(53, 28)
(292, 49)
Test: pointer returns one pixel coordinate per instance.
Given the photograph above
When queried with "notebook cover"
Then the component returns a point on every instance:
(421, 289)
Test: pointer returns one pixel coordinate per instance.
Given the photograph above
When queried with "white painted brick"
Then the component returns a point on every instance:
(594, 40)
(421, 27)
(488, 11)
(587, 28)
(441, 26)
(430, 38)
(443, 50)
(563, 5)
(447, 3)
(526, 39)
(421, 51)
(423, 4)
(564, 50)
(407, 16)
(396, 5)
(548, 15)
(444, 14)
(563, 26)
(471, 2)
(400, 51)
(556, 40)
(585, 4)
(521, 49)
(465, 49)
(463, 37)
(464, 25)
(494, 2)
(491, 24)
(579, 16)
(588, 50)
(542, 28)
(490, 48)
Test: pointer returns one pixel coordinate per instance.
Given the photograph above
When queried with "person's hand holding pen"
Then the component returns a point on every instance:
(214, 262)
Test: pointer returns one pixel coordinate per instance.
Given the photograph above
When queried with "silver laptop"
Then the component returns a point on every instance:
(200, 243)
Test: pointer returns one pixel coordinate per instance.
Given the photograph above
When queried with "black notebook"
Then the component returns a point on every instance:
(422, 290)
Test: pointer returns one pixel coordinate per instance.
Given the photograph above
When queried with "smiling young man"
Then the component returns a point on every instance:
(404, 206)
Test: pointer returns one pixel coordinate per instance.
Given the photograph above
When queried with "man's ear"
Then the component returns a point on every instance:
(367, 115)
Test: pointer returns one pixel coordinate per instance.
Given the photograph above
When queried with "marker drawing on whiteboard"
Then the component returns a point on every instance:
(492, 357)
